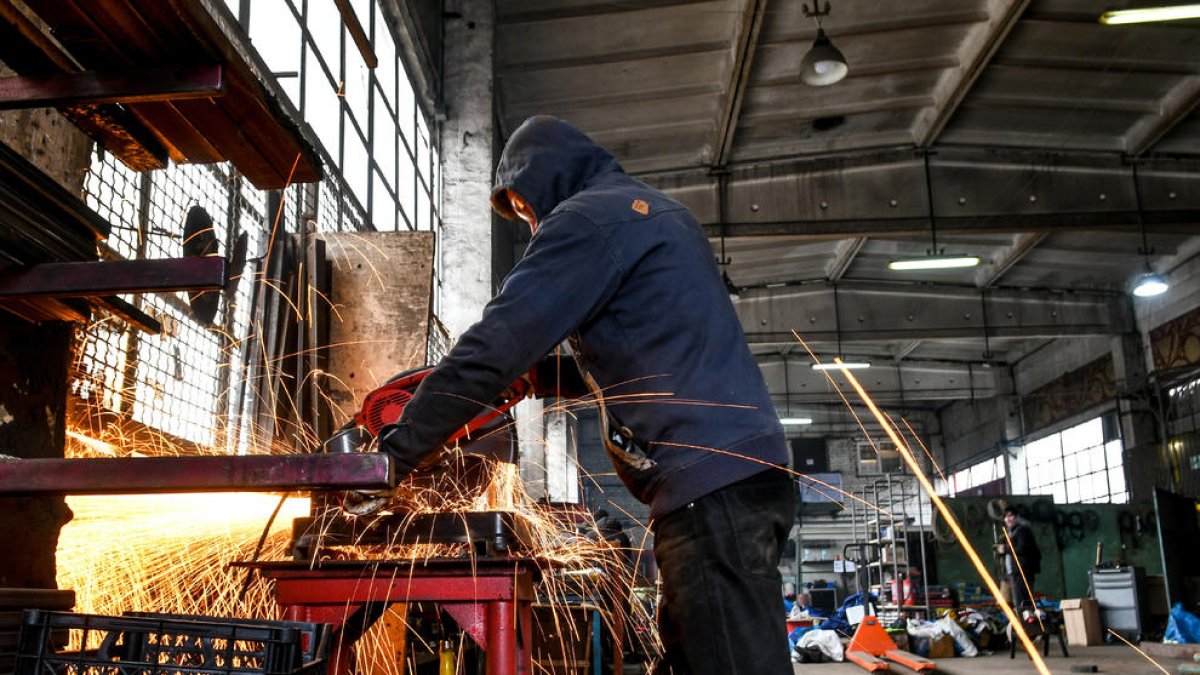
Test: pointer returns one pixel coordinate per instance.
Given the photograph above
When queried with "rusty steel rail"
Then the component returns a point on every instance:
(142, 475)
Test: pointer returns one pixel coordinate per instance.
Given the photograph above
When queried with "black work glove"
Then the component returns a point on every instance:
(394, 439)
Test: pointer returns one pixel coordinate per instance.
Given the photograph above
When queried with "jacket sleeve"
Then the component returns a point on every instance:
(568, 273)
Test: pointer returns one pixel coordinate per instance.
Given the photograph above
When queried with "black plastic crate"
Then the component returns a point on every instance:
(169, 644)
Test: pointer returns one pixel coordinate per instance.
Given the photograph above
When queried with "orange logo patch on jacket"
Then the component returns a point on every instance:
(640, 206)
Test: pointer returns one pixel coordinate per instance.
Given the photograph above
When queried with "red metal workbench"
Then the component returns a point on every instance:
(490, 598)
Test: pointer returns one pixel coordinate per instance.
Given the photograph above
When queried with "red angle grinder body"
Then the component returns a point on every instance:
(384, 406)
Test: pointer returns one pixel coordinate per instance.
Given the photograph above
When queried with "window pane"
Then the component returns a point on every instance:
(275, 34)
(385, 140)
(406, 185)
(354, 167)
(357, 89)
(383, 213)
(325, 26)
(1084, 435)
(322, 107)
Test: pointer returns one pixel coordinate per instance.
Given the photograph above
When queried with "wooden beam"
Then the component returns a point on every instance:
(1174, 108)
(846, 253)
(1000, 24)
(357, 33)
(745, 44)
(134, 85)
(1024, 243)
(104, 278)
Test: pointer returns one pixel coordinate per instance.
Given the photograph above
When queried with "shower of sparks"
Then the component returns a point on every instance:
(170, 553)
(1138, 650)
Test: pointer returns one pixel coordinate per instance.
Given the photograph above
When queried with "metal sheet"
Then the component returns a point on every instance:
(140, 475)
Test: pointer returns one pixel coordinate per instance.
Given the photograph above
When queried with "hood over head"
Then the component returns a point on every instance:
(546, 161)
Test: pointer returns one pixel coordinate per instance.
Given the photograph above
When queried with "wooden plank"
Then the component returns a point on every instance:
(132, 85)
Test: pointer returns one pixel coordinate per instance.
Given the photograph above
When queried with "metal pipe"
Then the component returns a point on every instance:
(248, 473)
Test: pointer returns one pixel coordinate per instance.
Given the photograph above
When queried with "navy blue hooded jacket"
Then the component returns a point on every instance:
(628, 273)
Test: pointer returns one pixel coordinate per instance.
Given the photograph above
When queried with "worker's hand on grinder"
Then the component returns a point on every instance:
(367, 502)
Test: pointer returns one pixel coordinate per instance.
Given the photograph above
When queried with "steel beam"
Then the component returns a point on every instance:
(144, 475)
(104, 278)
(875, 312)
(140, 85)
(976, 189)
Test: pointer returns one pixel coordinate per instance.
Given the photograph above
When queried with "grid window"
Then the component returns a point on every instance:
(1077, 465)
(981, 473)
(198, 383)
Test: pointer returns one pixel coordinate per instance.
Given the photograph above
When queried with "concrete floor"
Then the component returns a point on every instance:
(1110, 659)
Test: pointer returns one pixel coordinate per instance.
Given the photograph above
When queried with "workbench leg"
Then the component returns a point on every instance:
(501, 638)
(525, 638)
(341, 655)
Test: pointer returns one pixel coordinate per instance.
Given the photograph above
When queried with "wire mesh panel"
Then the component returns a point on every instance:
(212, 381)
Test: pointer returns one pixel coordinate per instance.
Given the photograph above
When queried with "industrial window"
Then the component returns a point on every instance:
(971, 477)
(1082, 464)
(198, 384)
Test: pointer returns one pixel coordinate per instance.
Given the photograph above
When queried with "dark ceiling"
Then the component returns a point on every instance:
(1032, 135)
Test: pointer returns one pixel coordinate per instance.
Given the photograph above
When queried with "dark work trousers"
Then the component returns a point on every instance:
(1020, 596)
(722, 606)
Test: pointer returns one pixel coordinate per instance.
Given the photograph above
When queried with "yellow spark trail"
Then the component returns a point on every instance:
(944, 510)
(1138, 650)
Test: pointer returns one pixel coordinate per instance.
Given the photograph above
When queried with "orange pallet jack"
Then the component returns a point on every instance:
(871, 641)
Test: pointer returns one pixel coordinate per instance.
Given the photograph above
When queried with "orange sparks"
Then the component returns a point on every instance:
(1017, 626)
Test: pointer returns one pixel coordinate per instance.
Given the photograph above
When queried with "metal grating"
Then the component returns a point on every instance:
(198, 383)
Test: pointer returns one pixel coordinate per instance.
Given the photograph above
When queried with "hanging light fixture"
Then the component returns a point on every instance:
(823, 64)
(1149, 283)
(1173, 12)
(788, 419)
(839, 363)
(934, 258)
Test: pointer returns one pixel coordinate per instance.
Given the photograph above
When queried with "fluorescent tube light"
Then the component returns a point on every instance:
(1151, 14)
(842, 365)
(796, 421)
(934, 262)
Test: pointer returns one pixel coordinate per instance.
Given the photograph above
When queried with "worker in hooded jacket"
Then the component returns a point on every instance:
(628, 276)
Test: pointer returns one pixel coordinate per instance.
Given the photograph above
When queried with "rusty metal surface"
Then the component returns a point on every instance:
(146, 84)
(109, 277)
(249, 126)
(140, 475)
(490, 533)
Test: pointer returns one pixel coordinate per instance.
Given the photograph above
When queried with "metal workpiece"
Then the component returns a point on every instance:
(490, 533)
(247, 473)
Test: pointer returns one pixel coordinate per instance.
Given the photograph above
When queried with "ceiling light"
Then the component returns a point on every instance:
(940, 261)
(841, 365)
(823, 64)
(1151, 14)
(934, 258)
(1149, 285)
(795, 421)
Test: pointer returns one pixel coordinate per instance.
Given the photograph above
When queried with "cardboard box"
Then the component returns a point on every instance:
(1082, 619)
(941, 647)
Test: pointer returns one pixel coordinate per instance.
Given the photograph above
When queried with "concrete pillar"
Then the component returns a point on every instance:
(1138, 425)
(531, 435)
(467, 137)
